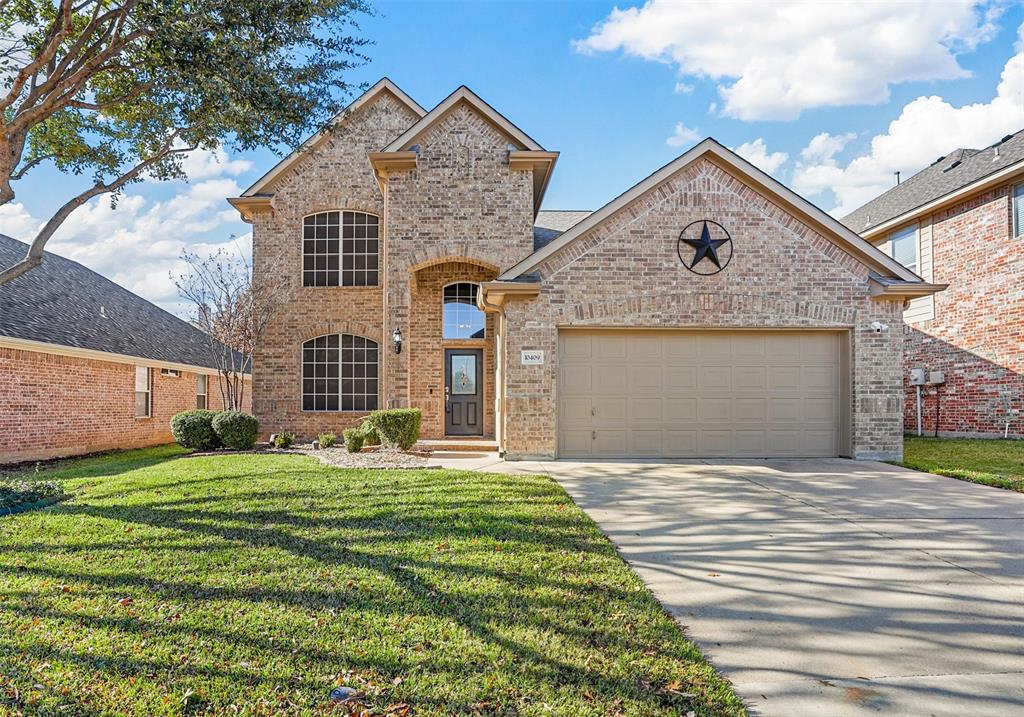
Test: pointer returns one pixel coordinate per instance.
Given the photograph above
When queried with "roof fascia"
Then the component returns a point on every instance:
(382, 85)
(10, 342)
(541, 163)
(957, 195)
(847, 239)
(462, 94)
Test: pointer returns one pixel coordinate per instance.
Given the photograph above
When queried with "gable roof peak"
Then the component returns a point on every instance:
(384, 84)
(462, 94)
(757, 179)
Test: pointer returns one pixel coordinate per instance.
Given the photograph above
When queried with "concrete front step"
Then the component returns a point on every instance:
(478, 445)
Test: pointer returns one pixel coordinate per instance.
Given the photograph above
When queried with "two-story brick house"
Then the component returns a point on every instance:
(960, 222)
(706, 311)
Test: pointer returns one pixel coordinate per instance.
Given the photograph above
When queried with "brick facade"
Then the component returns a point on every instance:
(976, 337)
(463, 214)
(626, 273)
(54, 405)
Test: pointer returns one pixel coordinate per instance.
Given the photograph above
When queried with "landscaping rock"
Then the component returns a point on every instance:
(338, 457)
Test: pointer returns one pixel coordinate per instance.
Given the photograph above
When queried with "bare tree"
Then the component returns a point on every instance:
(233, 311)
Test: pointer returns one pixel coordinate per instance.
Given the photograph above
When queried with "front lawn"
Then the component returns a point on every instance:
(994, 462)
(254, 584)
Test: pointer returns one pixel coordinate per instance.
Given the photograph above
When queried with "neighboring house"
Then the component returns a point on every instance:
(86, 365)
(961, 222)
(567, 334)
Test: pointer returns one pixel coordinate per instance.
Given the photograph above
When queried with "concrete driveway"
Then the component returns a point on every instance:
(829, 587)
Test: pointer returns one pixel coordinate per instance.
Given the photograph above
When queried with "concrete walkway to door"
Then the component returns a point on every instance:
(827, 587)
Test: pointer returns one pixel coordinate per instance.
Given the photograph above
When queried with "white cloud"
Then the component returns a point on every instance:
(682, 136)
(138, 243)
(926, 128)
(756, 152)
(204, 163)
(823, 147)
(16, 222)
(773, 60)
(684, 88)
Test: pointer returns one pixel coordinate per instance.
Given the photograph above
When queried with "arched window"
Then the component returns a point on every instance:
(340, 249)
(339, 373)
(462, 319)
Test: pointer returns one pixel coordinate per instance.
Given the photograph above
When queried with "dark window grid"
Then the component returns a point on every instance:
(352, 262)
(345, 379)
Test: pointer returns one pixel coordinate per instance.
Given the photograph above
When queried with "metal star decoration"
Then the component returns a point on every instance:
(705, 247)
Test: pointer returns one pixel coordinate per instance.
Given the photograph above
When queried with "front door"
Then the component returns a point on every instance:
(463, 392)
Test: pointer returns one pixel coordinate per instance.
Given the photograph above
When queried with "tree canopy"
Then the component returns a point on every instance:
(122, 90)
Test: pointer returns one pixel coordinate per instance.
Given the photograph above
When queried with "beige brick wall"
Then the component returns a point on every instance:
(335, 176)
(626, 273)
(426, 347)
(462, 203)
(53, 406)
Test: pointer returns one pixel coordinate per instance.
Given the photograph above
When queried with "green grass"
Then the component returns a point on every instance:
(994, 462)
(253, 584)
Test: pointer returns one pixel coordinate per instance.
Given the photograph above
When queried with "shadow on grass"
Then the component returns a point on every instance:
(445, 580)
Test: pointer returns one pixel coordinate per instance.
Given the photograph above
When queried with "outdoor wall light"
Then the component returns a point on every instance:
(396, 338)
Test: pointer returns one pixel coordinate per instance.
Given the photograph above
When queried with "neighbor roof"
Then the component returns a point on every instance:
(855, 245)
(551, 223)
(947, 175)
(63, 303)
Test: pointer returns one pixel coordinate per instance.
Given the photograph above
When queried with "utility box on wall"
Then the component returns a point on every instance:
(917, 377)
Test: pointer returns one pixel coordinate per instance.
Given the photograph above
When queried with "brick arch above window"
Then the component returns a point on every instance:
(315, 328)
(340, 248)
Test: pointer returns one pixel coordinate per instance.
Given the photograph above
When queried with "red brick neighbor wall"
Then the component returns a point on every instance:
(53, 405)
(977, 336)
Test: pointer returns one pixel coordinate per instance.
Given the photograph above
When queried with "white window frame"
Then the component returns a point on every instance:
(148, 391)
(1015, 219)
(170, 372)
(901, 234)
(205, 393)
(443, 304)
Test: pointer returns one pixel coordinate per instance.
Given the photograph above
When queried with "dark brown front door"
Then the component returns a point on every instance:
(463, 392)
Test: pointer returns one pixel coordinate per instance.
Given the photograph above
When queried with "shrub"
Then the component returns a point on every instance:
(285, 439)
(327, 440)
(354, 438)
(237, 430)
(16, 492)
(194, 429)
(397, 427)
(370, 433)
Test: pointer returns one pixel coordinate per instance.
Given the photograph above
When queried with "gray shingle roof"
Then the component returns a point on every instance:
(62, 302)
(551, 223)
(947, 174)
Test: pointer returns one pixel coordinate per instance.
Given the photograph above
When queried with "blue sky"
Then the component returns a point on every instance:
(829, 98)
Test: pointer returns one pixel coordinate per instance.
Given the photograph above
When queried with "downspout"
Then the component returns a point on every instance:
(499, 379)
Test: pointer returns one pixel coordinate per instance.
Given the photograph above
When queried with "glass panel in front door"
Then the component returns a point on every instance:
(463, 375)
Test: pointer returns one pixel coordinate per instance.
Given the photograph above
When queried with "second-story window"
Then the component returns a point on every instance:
(904, 247)
(340, 249)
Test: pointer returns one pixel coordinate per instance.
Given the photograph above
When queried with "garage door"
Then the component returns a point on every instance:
(668, 394)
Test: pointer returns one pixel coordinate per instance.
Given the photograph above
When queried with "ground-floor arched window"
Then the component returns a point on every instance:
(339, 373)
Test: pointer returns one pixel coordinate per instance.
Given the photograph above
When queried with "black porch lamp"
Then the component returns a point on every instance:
(396, 338)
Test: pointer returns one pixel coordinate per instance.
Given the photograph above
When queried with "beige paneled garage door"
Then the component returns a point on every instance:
(699, 393)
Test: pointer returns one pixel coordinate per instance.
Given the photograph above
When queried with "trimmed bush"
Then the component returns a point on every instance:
(236, 429)
(194, 429)
(327, 440)
(354, 438)
(370, 433)
(17, 492)
(397, 427)
(285, 439)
